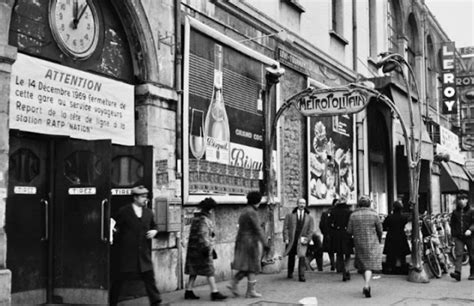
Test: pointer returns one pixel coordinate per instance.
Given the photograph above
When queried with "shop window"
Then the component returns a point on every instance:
(82, 167)
(126, 171)
(24, 166)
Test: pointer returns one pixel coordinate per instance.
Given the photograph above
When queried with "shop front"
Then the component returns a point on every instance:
(388, 158)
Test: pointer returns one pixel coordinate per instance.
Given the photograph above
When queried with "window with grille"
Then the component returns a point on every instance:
(391, 28)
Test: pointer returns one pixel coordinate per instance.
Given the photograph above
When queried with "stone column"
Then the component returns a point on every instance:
(155, 125)
(7, 57)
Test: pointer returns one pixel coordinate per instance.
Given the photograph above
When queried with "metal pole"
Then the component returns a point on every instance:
(417, 273)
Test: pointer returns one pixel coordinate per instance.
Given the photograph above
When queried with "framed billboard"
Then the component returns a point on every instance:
(223, 124)
(332, 168)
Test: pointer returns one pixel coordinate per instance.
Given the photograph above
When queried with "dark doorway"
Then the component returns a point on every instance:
(58, 214)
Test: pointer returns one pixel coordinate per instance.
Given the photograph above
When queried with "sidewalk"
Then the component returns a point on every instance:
(329, 289)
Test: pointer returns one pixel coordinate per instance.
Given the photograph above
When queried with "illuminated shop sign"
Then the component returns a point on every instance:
(448, 79)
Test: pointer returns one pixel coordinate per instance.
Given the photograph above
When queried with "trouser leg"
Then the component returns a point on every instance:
(332, 260)
(470, 250)
(291, 262)
(319, 260)
(115, 290)
(340, 262)
(459, 250)
(301, 267)
(152, 291)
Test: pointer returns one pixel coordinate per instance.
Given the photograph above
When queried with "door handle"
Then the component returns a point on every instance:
(46, 220)
(103, 237)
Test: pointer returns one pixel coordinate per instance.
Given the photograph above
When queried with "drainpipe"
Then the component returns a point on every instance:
(354, 36)
(178, 59)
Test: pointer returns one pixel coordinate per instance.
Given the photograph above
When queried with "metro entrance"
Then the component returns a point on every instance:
(58, 214)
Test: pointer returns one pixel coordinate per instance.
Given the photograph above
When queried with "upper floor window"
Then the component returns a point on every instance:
(412, 32)
(431, 72)
(373, 28)
(337, 16)
(392, 27)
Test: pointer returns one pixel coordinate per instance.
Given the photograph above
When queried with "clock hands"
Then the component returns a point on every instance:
(77, 17)
(74, 14)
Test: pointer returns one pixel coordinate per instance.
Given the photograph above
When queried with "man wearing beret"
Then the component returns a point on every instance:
(135, 228)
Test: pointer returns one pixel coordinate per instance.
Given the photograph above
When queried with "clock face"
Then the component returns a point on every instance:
(75, 26)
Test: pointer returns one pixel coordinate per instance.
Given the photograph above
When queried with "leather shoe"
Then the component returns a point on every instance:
(366, 292)
(456, 275)
(471, 277)
(189, 295)
(302, 279)
(289, 276)
(217, 296)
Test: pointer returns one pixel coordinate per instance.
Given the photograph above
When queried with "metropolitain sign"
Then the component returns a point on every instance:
(333, 101)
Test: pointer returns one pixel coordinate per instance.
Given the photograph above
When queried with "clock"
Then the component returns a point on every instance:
(75, 26)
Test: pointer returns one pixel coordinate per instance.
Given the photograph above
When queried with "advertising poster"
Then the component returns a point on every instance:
(48, 98)
(225, 118)
(331, 159)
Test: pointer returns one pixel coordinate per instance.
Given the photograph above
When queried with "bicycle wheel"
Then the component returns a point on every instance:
(433, 261)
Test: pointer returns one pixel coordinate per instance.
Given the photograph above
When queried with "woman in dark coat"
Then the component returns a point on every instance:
(365, 226)
(199, 258)
(248, 246)
(396, 245)
(341, 241)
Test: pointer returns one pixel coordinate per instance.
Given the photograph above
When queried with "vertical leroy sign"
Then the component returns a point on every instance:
(449, 96)
(53, 99)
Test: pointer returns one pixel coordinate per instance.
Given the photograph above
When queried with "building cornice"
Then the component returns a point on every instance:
(264, 22)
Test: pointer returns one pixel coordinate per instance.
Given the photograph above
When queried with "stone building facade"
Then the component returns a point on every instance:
(164, 56)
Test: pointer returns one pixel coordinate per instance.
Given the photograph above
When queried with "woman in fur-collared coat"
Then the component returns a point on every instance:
(200, 254)
(366, 228)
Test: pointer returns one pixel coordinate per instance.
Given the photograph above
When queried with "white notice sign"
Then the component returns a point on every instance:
(82, 191)
(24, 190)
(52, 99)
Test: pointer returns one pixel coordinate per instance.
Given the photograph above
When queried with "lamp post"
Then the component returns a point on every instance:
(388, 63)
(273, 75)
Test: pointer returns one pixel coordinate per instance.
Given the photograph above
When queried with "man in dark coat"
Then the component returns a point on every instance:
(341, 241)
(297, 232)
(325, 228)
(396, 244)
(462, 228)
(134, 228)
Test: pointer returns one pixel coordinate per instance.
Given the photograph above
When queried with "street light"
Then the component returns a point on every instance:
(388, 63)
(273, 75)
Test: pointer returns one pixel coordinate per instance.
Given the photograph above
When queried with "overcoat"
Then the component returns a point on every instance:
(364, 224)
(324, 228)
(200, 245)
(341, 241)
(249, 242)
(396, 243)
(134, 249)
(289, 229)
(461, 220)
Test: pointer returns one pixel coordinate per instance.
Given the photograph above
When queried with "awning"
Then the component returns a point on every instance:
(453, 178)
(401, 101)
